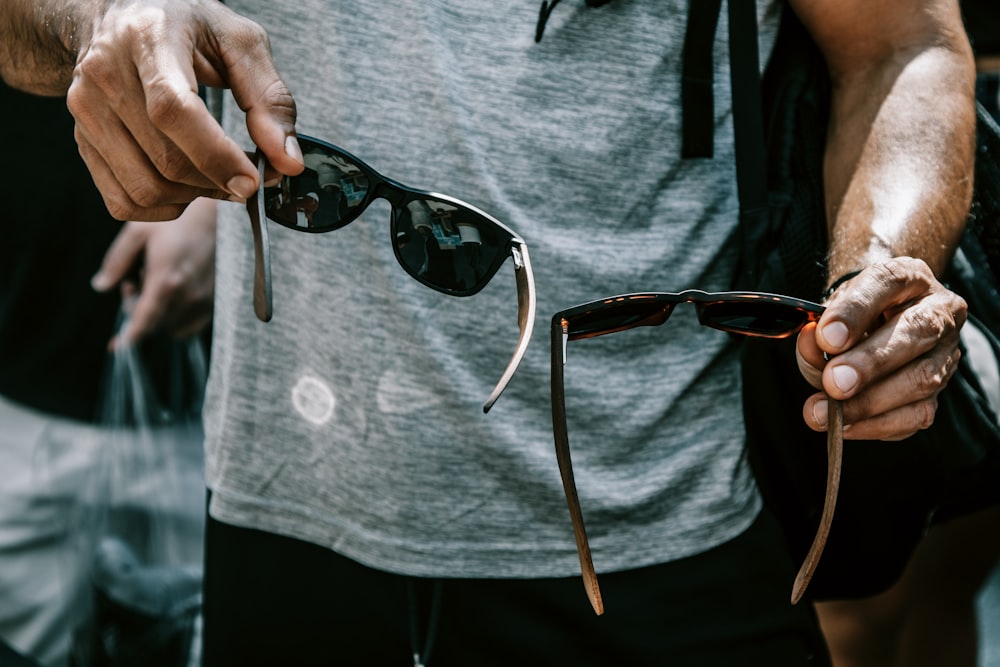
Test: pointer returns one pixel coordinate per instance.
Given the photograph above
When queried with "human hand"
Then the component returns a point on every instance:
(177, 279)
(892, 334)
(148, 139)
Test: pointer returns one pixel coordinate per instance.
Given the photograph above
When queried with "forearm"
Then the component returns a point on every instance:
(899, 159)
(40, 39)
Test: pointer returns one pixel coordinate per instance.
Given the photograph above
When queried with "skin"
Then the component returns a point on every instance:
(898, 166)
(150, 160)
(898, 184)
(175, 288)
(928, 617)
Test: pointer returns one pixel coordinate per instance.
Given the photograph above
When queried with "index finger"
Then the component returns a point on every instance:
(122, 256)
(147, 315)
(236, 53)
(176, 111)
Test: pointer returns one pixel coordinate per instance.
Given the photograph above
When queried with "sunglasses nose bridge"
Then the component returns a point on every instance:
(397, 195)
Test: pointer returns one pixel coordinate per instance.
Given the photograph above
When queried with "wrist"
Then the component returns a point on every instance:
(838, 282)
(40, 41)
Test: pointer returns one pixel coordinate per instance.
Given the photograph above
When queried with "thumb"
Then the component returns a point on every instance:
(809, 357)
(263, 95)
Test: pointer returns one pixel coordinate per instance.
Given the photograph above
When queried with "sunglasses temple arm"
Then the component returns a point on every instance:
(525, 319)
(566, 469)
(261, 249)
(835, 456)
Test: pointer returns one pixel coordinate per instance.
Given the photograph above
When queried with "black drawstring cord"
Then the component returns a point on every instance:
(543, 18)
(422, 658)
(546, 9)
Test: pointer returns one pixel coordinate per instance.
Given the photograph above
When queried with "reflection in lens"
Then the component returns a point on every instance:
(761, 318)
(448, 245)
(469, 234)
(618, 317)
(329, 193)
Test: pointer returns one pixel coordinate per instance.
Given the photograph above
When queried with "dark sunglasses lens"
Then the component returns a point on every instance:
(618, 316)
(448, 246)
(756, 318)
(328, 194)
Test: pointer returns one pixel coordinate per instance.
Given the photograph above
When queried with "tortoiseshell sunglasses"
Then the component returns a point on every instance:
(756, 314)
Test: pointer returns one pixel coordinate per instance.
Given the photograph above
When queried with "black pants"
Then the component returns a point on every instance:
(270, 600)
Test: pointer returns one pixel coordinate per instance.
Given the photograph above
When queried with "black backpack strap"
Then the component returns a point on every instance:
(697, 101)
(748, 114)
(748, 119)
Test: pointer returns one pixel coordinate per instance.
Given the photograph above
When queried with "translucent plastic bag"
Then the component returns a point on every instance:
(145, 530)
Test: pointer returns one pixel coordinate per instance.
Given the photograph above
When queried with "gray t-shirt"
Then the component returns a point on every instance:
(354, 418)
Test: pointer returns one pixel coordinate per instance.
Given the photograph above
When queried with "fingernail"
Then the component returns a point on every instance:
(835, 333)
(821, 412)
(293, 150)
(242, 186)
(100, 282)
(845, 377)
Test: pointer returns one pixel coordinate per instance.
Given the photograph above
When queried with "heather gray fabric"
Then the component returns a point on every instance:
(353, 419)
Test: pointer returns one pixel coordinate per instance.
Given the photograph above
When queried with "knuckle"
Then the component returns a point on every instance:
(924, 412)
(959, 309)
(953, 316)
(929, 323)
(75, 102)
(892, 272)
(912, 267)
(279, 98)
(173, 282)
(246, 36)
(173, 165)
(93, 69)
(255, 34)
(928, 377)
(165, 105)
(120, 206)
(900, 272)
(144, 192)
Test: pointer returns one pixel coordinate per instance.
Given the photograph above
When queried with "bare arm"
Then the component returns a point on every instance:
(899, 157)
(39, 40)
(898, 174)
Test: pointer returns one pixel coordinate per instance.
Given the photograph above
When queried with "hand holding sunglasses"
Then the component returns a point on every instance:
(746, 313)
(444, 243)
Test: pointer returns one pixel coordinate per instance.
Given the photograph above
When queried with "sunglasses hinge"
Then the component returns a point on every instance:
(565, 340)
(516, 254)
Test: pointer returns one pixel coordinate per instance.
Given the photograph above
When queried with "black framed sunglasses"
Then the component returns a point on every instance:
(755, 314)
(443, 242)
